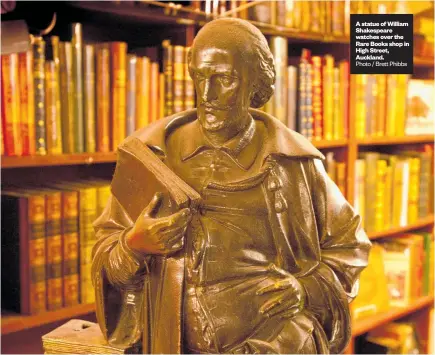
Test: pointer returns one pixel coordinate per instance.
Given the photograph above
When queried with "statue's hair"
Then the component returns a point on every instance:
(251, 45)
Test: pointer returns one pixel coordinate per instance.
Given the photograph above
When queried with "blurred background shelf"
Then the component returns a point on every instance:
(429, 138)
(364, 325)
(57, 160)
(425, 222)
(424, 62)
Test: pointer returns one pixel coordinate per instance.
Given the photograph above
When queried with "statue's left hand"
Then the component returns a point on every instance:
(286, 295)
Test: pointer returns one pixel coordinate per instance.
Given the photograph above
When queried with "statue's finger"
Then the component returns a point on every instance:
(277, 286)
(174, 239)
(267, 307)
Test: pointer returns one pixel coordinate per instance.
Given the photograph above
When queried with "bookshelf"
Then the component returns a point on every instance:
(170, 19)
(57, 160)
(12, 323)
(374, 141)
(366, 324)
(426, 222)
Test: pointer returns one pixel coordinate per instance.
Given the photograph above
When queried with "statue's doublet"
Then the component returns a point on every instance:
(229, 244)
(267, 180)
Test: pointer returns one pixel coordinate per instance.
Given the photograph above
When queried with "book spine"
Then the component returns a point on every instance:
(70, 247)
(161, 95)
(381, 105)
(11, 102)
(178, 79)
(328, 97)
(337, 113)
(77, 53)
(380, 182)
(52, 110)
(154, 91)
(66, 94)
(54, 251)
(168, 53)
(37, 254)
(2, 140)
(344, 95)
(317, 97)
(87, 214)
(414, 182)
(118, 97)
(56, 59)
(279, 47)
(39, 85)
(89, 98)
(143, 92)
(302, 127)
(131, 94)
(27, 102)
(189, 87)
(103, 101)
(309, 101)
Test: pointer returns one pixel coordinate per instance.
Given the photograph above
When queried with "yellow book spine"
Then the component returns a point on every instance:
(143, 92)
(52, 109)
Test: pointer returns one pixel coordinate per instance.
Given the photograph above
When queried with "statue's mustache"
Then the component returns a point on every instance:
(214, 106)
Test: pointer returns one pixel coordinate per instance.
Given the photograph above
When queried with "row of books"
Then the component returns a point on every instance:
(311, 94)
(400, 271)
(391, 105)
(325, 17)
(393, 190)
(47, 241)
(70, 97)
(317, 96)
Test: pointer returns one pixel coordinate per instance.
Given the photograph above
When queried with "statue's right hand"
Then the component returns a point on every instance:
(161, 236)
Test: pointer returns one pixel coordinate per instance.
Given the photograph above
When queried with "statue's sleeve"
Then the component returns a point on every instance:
(344, 249)
(121, 265)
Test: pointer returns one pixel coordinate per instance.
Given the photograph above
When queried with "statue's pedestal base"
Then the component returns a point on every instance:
(81, 337)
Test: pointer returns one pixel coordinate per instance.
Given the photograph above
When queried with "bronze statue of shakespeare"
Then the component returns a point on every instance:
(268, 260)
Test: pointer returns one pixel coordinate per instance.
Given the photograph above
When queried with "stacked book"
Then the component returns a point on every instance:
(81, 337)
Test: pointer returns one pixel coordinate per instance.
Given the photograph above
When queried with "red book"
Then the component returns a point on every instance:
(11, 103)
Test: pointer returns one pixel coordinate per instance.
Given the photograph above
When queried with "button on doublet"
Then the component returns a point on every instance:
(273, 183)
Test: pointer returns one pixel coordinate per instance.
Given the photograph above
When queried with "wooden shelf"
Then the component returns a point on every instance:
(129, 11)
(330, 143)
(427, 221)
(364, 325)
(426, 138)
(16, 322)
(157, 15)
(423, 62)
(55, 160)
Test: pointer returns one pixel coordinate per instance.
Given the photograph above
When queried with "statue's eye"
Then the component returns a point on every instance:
(199, 76)
(226, 80)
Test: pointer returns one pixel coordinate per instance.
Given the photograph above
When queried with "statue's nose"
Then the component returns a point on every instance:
(207, 92)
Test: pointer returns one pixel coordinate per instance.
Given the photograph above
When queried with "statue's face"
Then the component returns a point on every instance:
(222, 88)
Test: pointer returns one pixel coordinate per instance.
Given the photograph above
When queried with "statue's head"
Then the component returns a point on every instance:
(233, 69)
